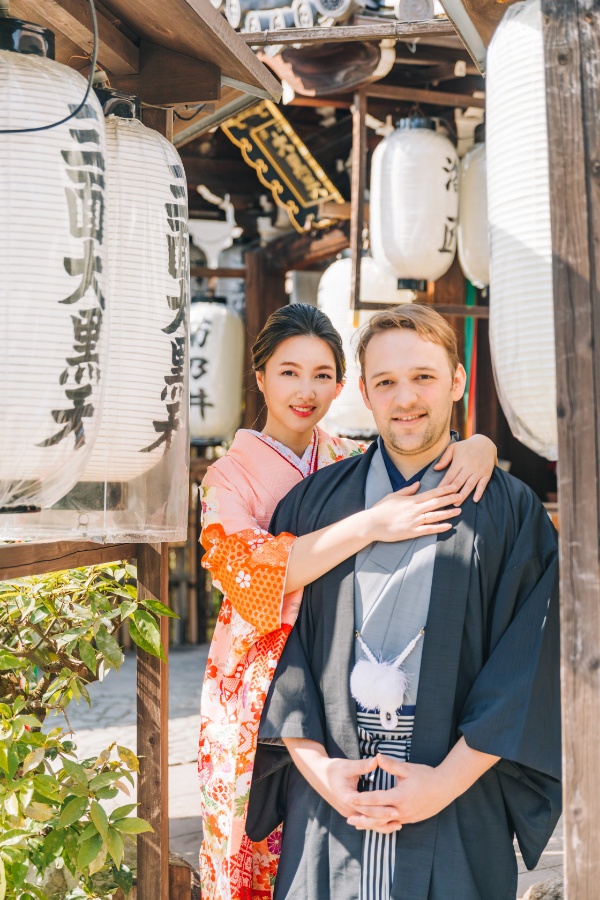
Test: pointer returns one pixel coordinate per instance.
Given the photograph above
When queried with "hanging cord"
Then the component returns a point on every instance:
(93, 60)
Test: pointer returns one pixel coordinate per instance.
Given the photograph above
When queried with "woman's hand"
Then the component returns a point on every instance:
(406, 514)
(471, 466)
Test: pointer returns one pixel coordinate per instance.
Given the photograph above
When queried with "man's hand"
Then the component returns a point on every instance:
(336, 780)
(419, 794)
(421, 791)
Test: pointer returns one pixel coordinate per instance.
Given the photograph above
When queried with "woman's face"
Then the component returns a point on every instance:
(299, 384)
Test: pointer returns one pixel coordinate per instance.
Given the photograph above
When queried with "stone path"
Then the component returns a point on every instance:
(113, 716)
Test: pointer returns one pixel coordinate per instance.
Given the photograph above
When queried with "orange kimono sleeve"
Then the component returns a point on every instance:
(250, 565)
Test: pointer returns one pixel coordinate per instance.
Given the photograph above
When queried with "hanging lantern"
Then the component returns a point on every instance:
(414, 203)
(148, 266)
(217, 371)
(473, 239)
(348, 415)
(52, 283)
(521, 295)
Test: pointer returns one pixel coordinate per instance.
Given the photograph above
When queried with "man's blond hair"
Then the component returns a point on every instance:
(427, 323)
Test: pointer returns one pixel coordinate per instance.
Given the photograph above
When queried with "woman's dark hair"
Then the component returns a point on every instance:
(297, 320)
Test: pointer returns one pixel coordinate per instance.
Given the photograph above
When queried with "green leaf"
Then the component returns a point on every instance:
(129, 758)
(54, 844)
(100, 860)
(107, 793)
(72, 811)
(39, 812)
(89, 831)
(127, 607)
(159, 608)
(109, 648)
(103, 780)
(132, 825)
(87, 655)
(13, 762)
(75, 771)
(146, 634)
(123, 878)
(99, 818)
(13, 836)
(122, 811)
(9, 661)
(89, 850)
(30, 721)
(115, 845)
(2, 880)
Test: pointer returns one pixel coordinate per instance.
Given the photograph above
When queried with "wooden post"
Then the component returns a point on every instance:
(153, 734)
(357, 192)
(572, 49)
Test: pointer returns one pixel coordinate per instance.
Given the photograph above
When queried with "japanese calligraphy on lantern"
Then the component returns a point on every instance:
(282, 162)
(177, 300)
(85, 201)
(451, 223)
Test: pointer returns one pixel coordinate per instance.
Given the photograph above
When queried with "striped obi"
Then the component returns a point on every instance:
(379, 850)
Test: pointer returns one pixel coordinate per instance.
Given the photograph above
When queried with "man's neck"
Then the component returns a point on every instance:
(411, 463)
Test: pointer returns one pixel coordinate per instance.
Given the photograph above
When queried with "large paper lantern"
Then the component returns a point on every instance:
(53, 298)
(414, 203)
(216, 371)
(348, 415)
(521, 296)
(148, 266)
(473, 238)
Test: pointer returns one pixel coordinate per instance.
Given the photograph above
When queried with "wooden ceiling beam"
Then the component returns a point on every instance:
(169, 78)
(337, 34)
(435, 98)
(72, 18)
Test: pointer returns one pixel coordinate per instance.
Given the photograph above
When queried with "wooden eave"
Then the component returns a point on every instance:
(174, 53)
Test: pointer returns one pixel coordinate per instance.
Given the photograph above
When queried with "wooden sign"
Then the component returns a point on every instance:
(283, 163)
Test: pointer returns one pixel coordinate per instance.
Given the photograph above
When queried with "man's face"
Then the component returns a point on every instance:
(410, 389)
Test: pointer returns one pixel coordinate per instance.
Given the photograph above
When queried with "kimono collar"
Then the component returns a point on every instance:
(306, 464)
(397, 479)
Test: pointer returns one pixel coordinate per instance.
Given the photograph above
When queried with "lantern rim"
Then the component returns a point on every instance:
(416, 122)
(13, 29)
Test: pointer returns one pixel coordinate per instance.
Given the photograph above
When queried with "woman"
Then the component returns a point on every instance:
(299, 364)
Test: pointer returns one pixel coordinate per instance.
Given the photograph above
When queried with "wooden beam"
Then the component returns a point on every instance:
(357, 193)
(338, 34)
(301, 252)
(160, 120)
(72, 18)
(19, 560)
(205, 272)
(417, 95)
(167, 77)
(572, 48)
(153, 733)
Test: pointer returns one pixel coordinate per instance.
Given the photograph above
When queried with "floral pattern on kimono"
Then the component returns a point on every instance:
(249, 565)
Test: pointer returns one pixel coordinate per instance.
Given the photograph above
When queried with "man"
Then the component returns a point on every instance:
(409, 781)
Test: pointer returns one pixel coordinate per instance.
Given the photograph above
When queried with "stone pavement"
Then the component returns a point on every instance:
(113, 717)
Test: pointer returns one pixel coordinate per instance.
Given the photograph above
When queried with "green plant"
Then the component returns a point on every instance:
(58, 634)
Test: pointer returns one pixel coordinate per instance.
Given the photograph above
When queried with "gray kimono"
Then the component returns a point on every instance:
(489, 671)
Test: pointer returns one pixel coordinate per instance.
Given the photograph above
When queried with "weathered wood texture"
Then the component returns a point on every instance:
(194, 27)
(19, 560)
(418, 95)
(373, 31)
(449, 292)
(222, 272)
(160, 120)
(572, 50)
(167, 77)
(265, 292)
(357, 192)
(72, 18)
(153, 734)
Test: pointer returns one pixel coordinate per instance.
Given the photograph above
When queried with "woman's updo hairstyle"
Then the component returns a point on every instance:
(297, 320)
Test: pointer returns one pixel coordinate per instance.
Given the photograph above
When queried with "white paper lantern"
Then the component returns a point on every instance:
(216, 371)
(414, 202)
(148, 250)
(473, 238)
(348, 415)
(521, 294)
(52, 287)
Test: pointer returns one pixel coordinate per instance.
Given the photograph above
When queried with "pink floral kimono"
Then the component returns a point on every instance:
(239, 495)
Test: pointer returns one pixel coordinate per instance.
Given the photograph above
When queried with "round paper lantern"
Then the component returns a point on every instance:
(216, 371)
(348, 415)
(148, 266)
(53, 297)
(473, 238)
(521, 294)
(414, 203)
